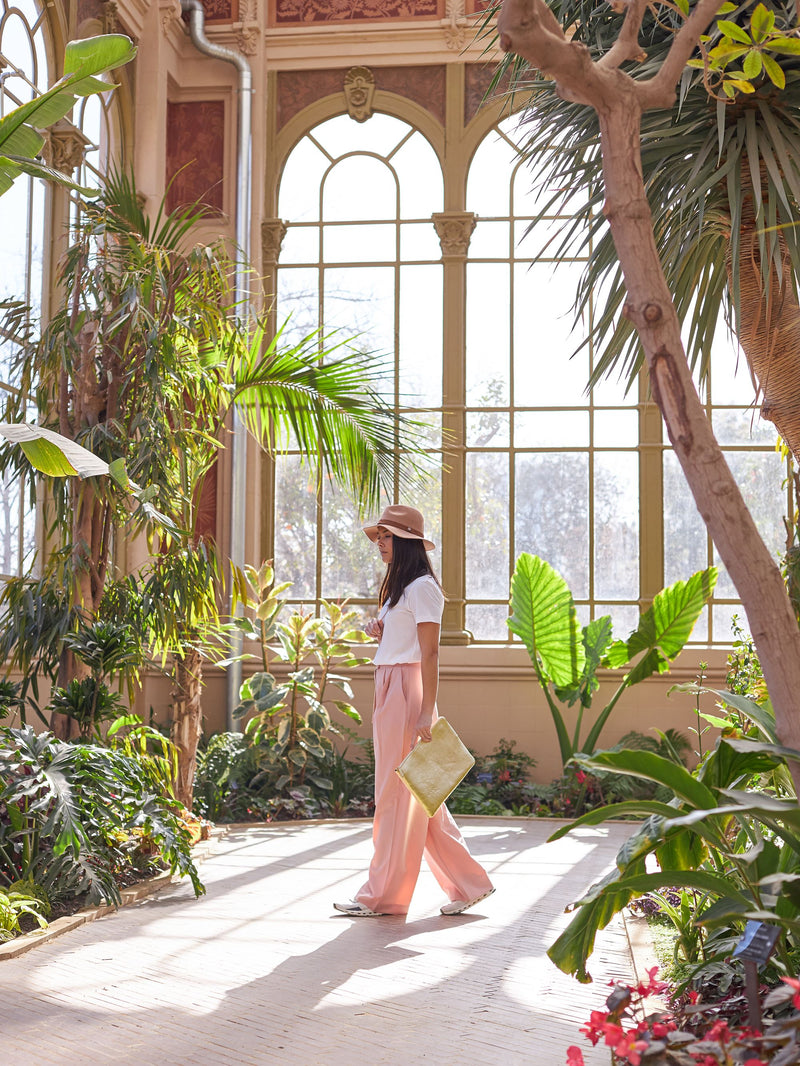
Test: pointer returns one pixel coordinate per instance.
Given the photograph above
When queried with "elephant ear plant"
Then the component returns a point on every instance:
(566, 657)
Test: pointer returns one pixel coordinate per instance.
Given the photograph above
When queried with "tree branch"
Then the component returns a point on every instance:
(627, 44)
(659, 91)
(530, 29)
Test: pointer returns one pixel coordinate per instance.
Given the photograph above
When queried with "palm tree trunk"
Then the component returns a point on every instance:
(187, 726)
(768, 328)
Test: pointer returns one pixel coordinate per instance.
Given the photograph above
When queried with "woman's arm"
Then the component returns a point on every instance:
(428, 636)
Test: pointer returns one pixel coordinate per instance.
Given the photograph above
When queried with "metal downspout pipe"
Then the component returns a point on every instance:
(194, 10)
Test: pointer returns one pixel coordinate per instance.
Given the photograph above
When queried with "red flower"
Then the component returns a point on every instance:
(574, 1056)
(793, 982)
(580, 777)
(629, 1049)
(504, 775)
(719, 1031)
(595, 1027)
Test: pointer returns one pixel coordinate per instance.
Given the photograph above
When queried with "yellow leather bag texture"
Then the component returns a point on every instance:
(432, 770)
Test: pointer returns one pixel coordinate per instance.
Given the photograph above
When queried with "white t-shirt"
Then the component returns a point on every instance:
(422, 601)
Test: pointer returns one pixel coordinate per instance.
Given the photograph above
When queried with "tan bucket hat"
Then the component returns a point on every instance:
(403, 522)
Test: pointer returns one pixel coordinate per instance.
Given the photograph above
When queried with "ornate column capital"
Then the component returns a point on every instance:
(273, 230)
(64, 146)
(170, 13)
(109, 17)
(454, 229)
(359, 89)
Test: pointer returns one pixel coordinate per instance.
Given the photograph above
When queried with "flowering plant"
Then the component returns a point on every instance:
(687, 1038)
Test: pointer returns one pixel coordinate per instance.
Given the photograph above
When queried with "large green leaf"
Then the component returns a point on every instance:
(655, 768)
(595, 638)
(664, 627)
(544, 616)
(572, 949)
(51, 453)
(20, 141)
(628, 808)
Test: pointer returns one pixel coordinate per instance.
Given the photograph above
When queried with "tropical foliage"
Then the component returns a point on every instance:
(289, 720)
(729, 839)
(76, 819)
(566, 657)
(21, 141)
(142, 364)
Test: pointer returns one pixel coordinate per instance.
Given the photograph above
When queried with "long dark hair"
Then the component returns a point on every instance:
(409, 561)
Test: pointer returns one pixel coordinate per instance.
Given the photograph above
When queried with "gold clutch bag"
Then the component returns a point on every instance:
(432, 770)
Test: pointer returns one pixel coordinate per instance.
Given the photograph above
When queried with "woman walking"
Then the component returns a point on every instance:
(406, 683)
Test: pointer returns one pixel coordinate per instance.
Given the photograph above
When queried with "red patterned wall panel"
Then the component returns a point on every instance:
(196, 152)
(477, 78)
(299, 88)
(206, 520)
(221, 10)
(303, 12)
(475, 7)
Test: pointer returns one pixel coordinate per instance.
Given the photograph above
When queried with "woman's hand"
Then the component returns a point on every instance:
(424, 728)
(374, 629)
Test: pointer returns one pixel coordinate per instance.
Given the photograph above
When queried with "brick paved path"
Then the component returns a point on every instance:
(260, 970)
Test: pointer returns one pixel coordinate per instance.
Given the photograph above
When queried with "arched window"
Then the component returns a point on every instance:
(23, 74)
(360, 259)
(551, 468)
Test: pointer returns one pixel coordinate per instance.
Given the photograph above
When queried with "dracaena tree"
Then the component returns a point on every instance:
(625, 92)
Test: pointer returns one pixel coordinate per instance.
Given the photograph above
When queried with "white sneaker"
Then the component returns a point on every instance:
(356, 910)
(457, 906)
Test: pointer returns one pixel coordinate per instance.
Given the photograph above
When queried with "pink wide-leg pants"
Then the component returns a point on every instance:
(402, 831)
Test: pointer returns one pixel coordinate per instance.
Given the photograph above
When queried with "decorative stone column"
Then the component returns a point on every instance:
(454, 229)
(273, 230)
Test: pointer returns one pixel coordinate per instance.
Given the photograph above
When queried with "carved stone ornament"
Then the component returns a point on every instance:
(170, 13)
(273, 230)
(64, 146)
(455, 36)
(359, 89)
(454, 229)
(247, 39)
(110, 17)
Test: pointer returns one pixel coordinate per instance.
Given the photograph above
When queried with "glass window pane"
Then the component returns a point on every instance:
(487, 525)
(546, 374)
(298, 200)
(426, 496)
(616, 429)
(731, 382)
(420, 175)
(551, 514)
(685, 537)
(295, 526)
(419, 240)
(359, 304)
(421, 336)
(624, 618)
(722, 615)
(551, 238)
(737, 426)
(487, 429)
(487, 192)
(487, 621)
(490, 240)
(351, 565)
(487, 334)
(300, 245)
(343, 134)
(759, 476)
(551, 429)
(610, 391)
(359, 244)
(298, 303)
(359, 187)
(616, 525)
